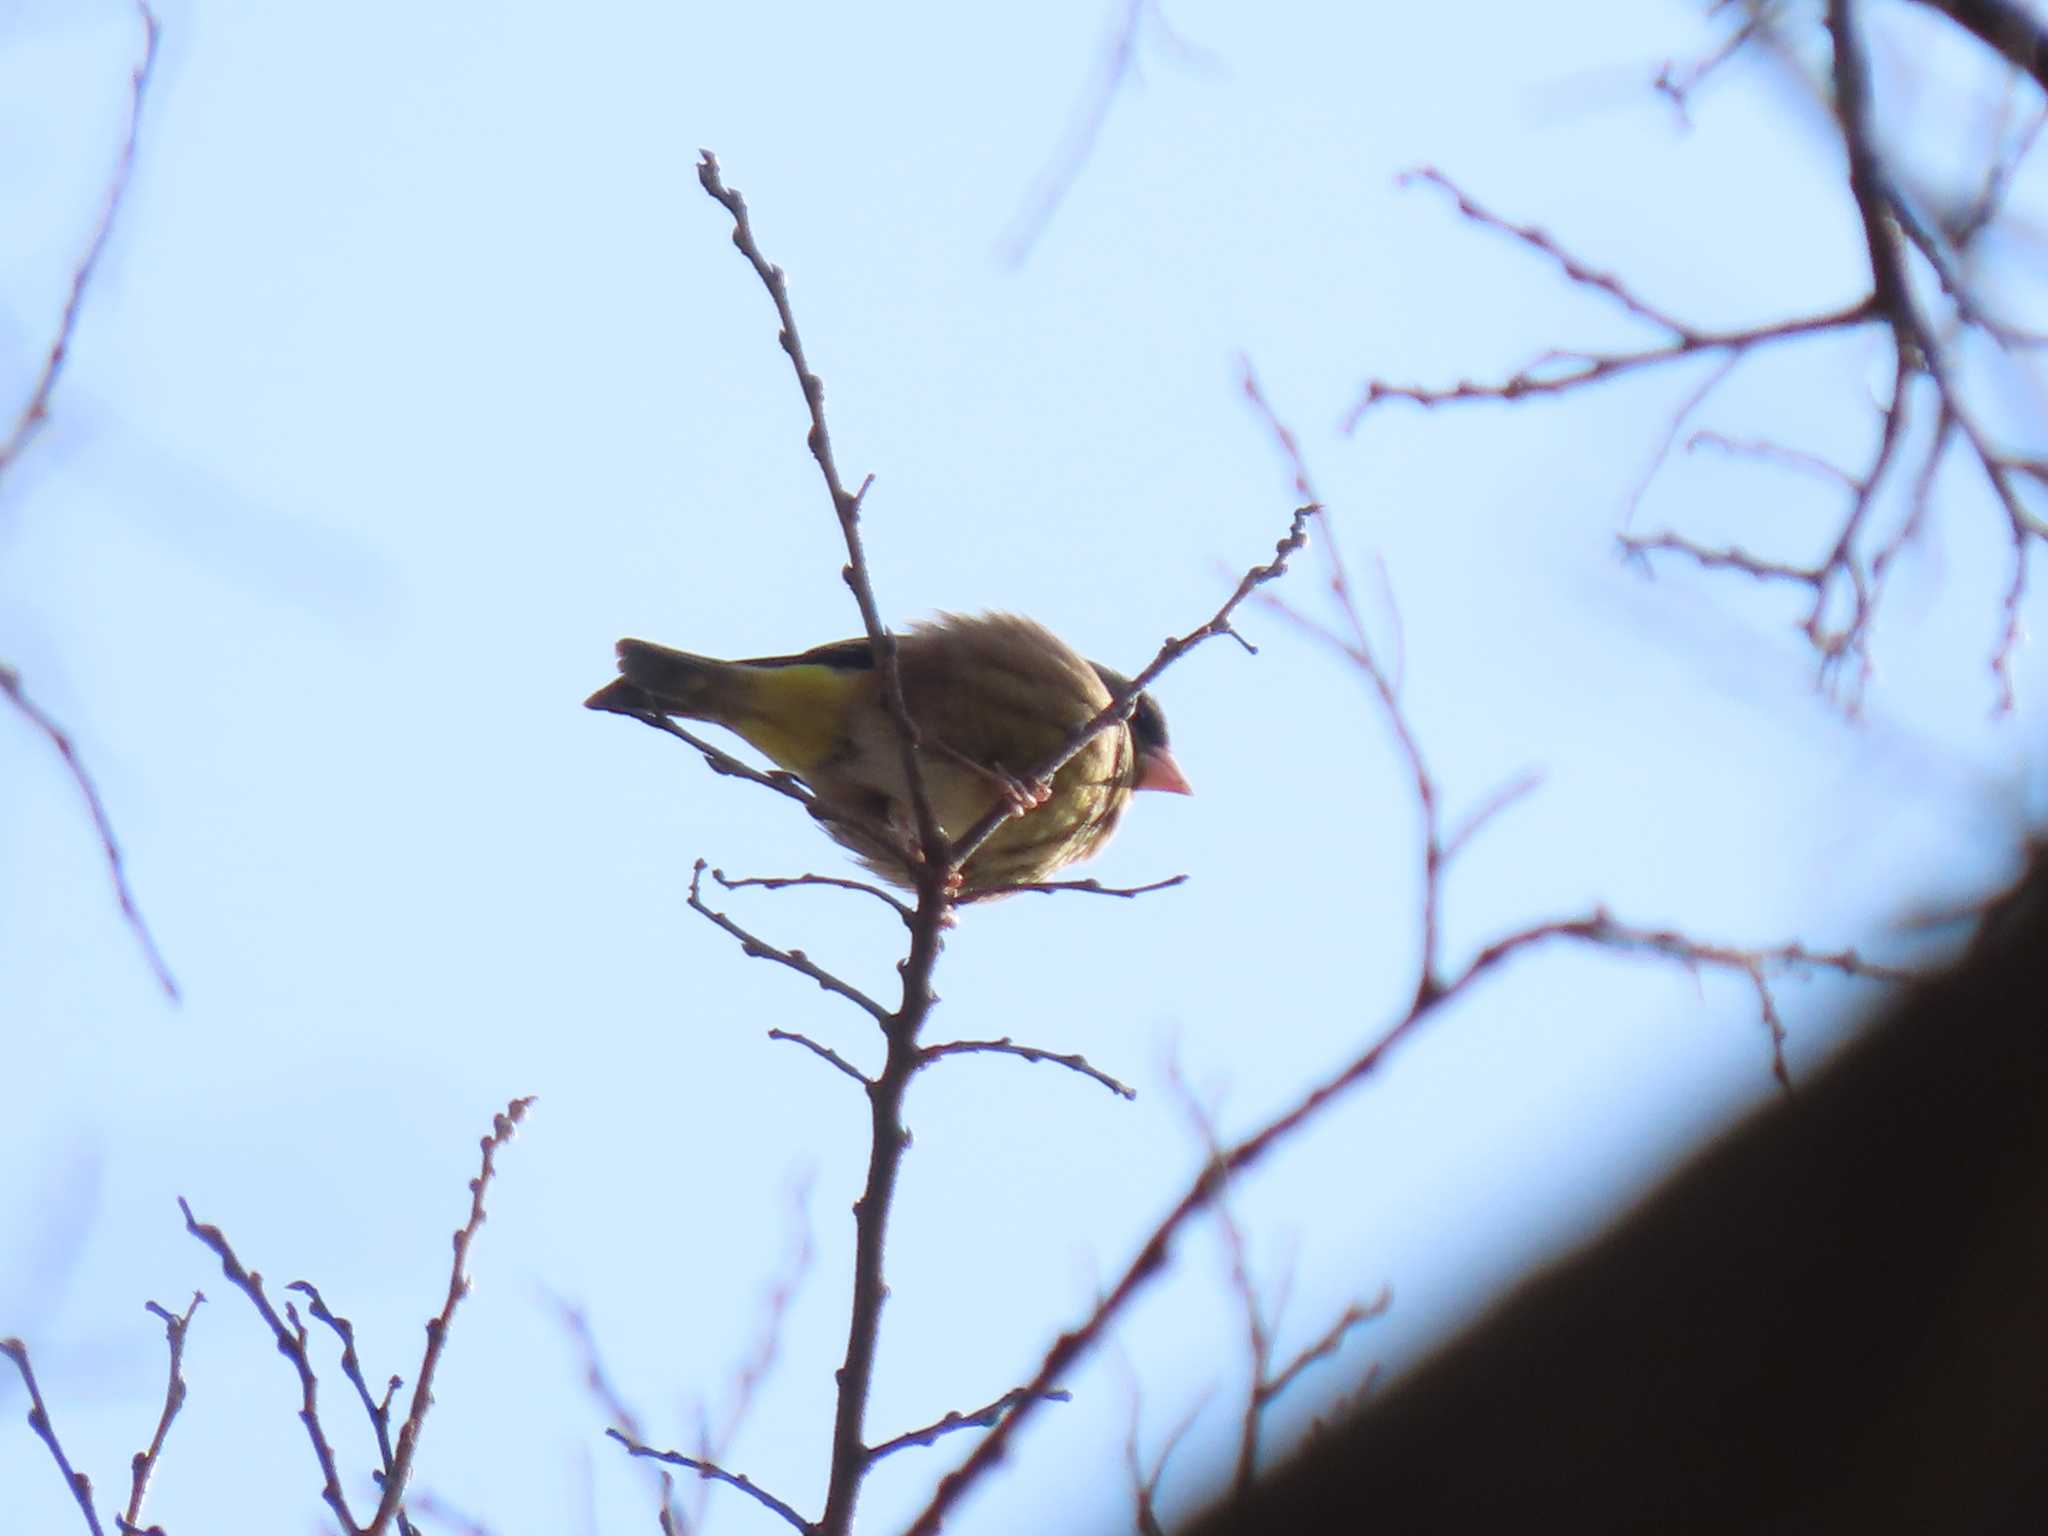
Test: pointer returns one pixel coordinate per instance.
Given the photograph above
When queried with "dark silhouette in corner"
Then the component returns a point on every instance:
(1834, 1319)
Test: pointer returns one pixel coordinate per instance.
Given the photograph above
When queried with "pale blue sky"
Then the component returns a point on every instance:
(420, 369)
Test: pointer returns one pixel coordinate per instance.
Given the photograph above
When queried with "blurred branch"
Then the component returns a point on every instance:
(1266, 1384)
(1117, 67)
(36, 412)
(755, 1368)
(598, 1383)
(10, 685)
(2006, 27)
(1145, 1485)
(30, 420)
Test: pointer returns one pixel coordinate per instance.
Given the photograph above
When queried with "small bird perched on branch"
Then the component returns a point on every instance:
(992, 696)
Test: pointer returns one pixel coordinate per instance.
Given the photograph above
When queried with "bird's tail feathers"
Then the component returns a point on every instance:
(656, 680)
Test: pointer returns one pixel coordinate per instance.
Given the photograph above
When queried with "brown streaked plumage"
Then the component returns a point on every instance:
(993, 695)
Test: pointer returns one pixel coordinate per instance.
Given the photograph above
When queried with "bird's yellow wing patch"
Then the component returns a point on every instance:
(796, 712)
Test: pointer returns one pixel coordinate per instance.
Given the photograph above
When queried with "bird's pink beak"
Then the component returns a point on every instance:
(1158, 770)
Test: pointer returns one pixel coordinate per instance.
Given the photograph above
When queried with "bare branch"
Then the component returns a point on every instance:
(377, 1410)
(1559, 371)
(131, 910)
(290, 1335)
(786, 882)
(846, 505)
(824, 1053)
(980, 1418)
(755, 948)
(28, 422)
(2005, 26)
(1677, 82)
(37, 409)
(1030, 1053)
(1145, 1485)
(39, 1421)
(1091, 115)
(598, 1383)
(928, 873)
(716, 1473)
(502, 1128)
(145, 1461)
(1326, 1345)
(760, 1362)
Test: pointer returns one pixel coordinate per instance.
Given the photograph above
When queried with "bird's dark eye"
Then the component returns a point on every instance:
(1148, 720)
(1148, 724)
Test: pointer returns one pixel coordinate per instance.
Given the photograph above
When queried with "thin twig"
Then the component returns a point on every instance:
(980, 1418)
(604, 1392)
(746, 1485)
(28, 422)
(377, 1410)
(290, 1336)
(824, 1053)
(502, 1128)
(1118, 65)
(39, 1421)
(1144, 1485)
(145, 1462)
(37, 409)
(833, 882)
(131, 910)
(756, 1367)
(1120, 707)
(1326, 1344)
(1030, 1053)
(756, 948)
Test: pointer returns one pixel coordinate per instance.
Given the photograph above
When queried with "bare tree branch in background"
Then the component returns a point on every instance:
(1268, 1380)
(27, 424)
(1117, 67)
(1846, 576)
(291, 1335)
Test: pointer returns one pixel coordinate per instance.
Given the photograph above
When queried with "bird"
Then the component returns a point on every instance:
(992, 696)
